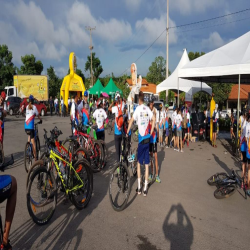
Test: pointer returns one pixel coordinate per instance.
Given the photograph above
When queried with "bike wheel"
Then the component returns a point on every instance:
(82, 153)
(133, 165)
(38, 147)
(17, 114)
(119, 187)
(151, 172)
(37, 164)
(41, 196)
(28, 156)
(105, 152)
(81, 197)
(216, 179)
(97, 157)
(224, 191)
(110, 129)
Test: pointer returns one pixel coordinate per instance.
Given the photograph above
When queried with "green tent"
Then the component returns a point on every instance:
(111, 88)
(97, 89)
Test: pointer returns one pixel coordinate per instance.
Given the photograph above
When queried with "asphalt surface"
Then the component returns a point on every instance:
(179, 213)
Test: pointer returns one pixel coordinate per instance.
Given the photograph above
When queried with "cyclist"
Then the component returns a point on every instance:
(74, 115)
(85, 115)
(243, 149)
(153, 153)
(154, 110)
(100, 117)
(84, 102)
(126, 119)
(143, 115)
(8, 190)
(3, 112)
(174, 128)
(161, 124)
(178, 121)
(188, 126)
(29, 125)
(166, 124)
(117, 108)
(215, 118)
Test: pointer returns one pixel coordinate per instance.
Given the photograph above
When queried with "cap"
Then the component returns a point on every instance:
(86, 93)
(3, 95)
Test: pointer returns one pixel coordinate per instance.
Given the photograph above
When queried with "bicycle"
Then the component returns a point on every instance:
(120, 178)
(20, 111)
(111, 125)
(94, 147)
(226, 184)
(76, 180)
(28, 150)
(135, 133)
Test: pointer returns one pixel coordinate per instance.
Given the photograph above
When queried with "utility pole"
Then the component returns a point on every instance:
(167, 39)
(91, 48)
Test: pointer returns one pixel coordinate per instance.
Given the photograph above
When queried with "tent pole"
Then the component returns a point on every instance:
(238, 109)
(200, 97)
(178, 94)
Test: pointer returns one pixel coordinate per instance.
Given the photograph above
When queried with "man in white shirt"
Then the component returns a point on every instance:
(100, 117)
(143, 116)
(62, 107)
(74, 116)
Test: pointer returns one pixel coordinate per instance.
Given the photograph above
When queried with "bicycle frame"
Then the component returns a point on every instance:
(53, 156)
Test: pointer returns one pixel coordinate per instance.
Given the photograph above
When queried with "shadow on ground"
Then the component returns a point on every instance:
(180, 233)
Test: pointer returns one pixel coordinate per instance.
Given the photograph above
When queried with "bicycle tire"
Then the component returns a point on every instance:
(39, 174)
(224, 191)
(38, 147)
(105, 152)
(96, 164)
(216, 179)
(31, 170)
(110, 127)
(150, 171)
(82, 153)
(80, 166)
(27, 156)
(125, 187)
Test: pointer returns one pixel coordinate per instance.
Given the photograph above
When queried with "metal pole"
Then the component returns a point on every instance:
(167, 38)
(238, 110)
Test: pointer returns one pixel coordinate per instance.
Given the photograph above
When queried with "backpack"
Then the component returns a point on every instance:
(185, 121)
(119, 118)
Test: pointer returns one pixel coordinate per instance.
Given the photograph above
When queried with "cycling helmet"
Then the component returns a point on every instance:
(31, 98)
(99, 102)
(166, 106)
(117, 95)
(86, 93)
(3, 95)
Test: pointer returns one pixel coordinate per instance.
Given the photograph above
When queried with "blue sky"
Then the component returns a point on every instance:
(124, 29)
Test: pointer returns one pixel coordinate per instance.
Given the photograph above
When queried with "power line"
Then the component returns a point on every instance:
(195, 23)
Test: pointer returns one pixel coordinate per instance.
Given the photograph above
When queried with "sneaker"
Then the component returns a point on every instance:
(166, 146)
(175, 149)
(182, 151)
(178, 150)
(157, 179)
(145, 192)
(138, 191)
(150, 177)
(6, 247)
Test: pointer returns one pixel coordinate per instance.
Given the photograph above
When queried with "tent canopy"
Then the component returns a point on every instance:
(97, 89)
(111, 88)
(173, 82)
(223, 65)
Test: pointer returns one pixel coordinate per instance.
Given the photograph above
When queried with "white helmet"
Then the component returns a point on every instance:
(117, 95)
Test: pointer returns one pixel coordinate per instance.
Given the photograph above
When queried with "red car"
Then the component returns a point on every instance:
(41, 108)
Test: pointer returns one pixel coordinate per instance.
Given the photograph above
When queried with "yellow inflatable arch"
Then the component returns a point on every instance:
(71, 82)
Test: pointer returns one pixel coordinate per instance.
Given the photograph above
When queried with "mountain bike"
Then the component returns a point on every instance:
(111, 125)
(76, 180)
(226, 184)
(120, 181)
(20, 111)
(94, 147)
(28, 150)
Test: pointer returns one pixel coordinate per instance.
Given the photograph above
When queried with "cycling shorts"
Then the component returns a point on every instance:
(30, 132)
(143, 153)
(153, 147)
(100, 135)
(5, 187)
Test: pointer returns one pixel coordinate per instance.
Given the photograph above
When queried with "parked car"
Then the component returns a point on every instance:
(157, 104)
(41, 108)
(13, 104)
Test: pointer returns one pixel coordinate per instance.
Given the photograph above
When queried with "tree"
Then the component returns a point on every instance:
(96, 66)
(157, 70)
(30, 66)
(221, 90)
(7, 69)
(54, 82)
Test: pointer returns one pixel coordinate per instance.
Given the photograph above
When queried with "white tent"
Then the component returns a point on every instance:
(223, 65)
(173, 81)
(227, 64)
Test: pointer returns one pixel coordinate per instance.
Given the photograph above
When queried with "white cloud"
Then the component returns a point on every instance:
(186, 7)
(133, 4)
(112, 30)
(152, 28)
(214, 41)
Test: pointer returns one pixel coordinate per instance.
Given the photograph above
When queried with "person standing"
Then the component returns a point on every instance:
(178, 120)
(215, 121)
(161, 125)
(174, 114)
(100, 117)
(74, 115)
(69, 104)
(143, 115)
(62, 108)
(84, 102)
(51, 102)
(117, 108)
(166, 126)
(56, 105)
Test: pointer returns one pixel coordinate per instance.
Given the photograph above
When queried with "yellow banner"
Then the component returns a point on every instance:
(32, 85)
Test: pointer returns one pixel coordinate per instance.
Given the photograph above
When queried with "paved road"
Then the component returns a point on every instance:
(180, 213)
